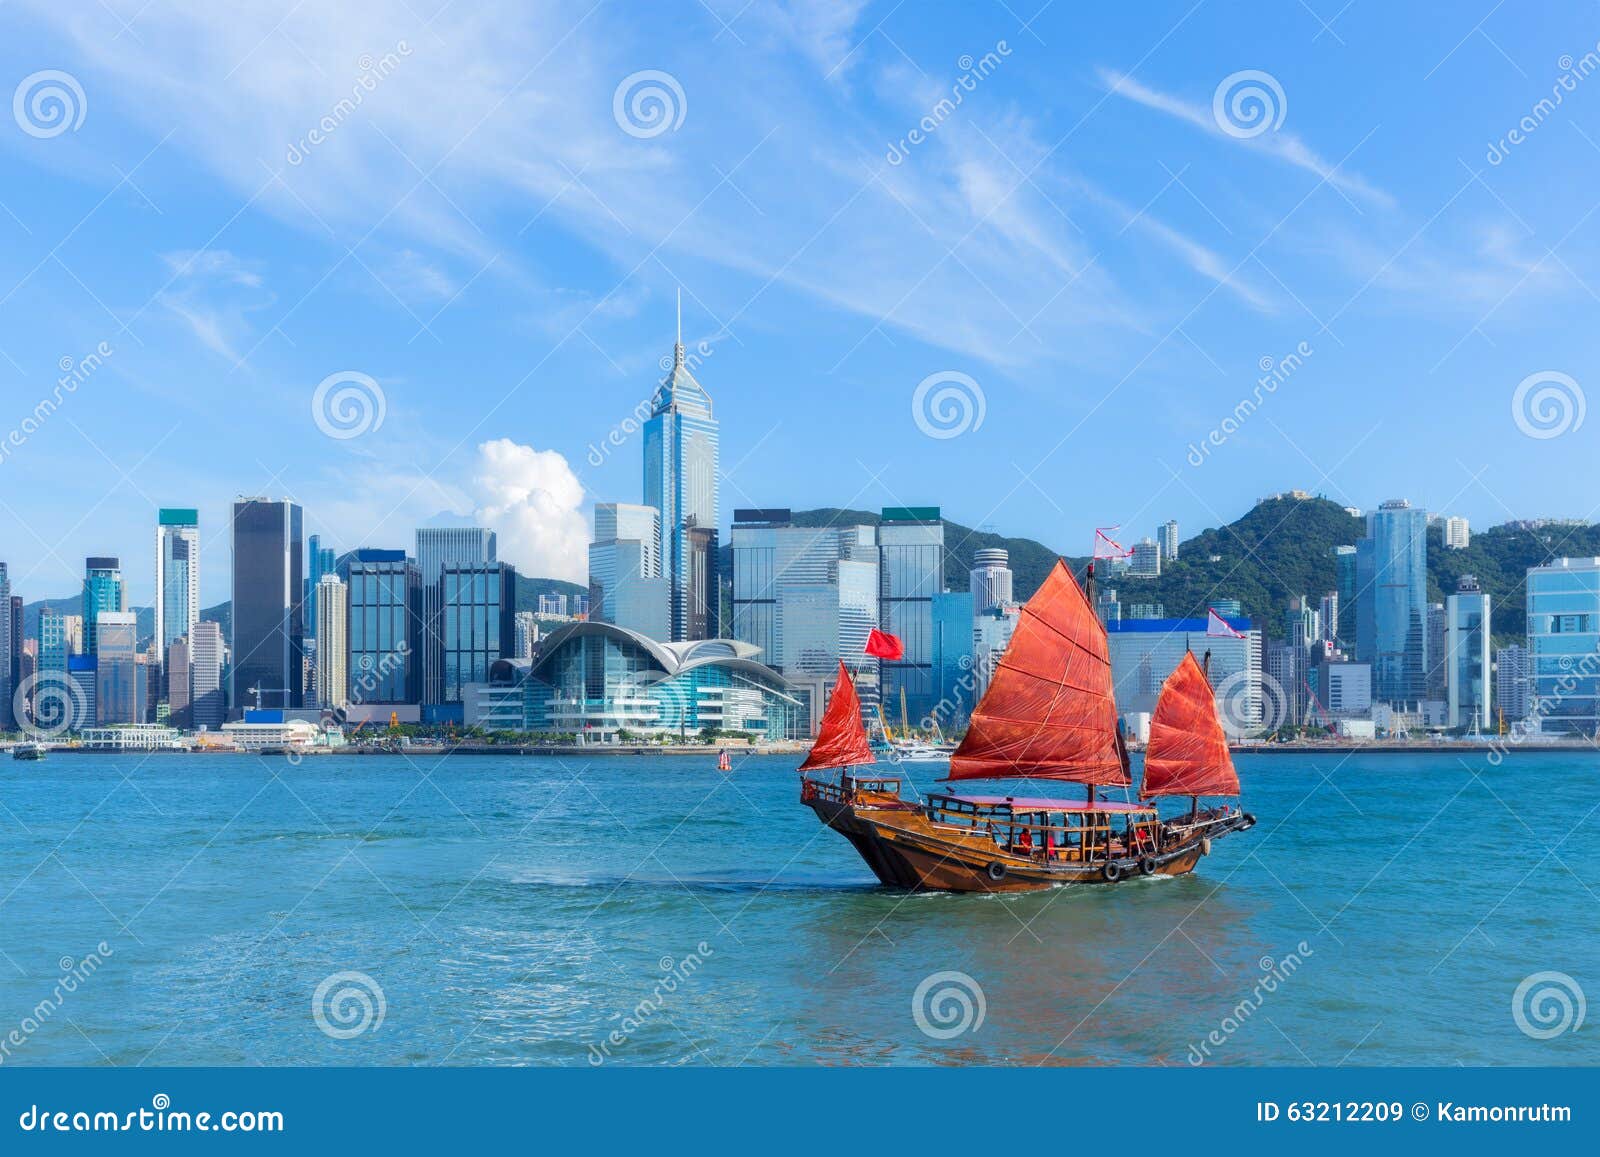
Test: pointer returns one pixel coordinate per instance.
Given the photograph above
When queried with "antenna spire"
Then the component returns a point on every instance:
(677, 349)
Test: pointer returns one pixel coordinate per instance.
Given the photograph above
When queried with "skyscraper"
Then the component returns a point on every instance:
(333, 643)
(176, 665)
(320, 560)
(102, 591)
(1167, 539)
(117, 691)
(680, 481)
(1457, 533)
(1511, 671)
(1467, 655)
(177, 575)
(910, 573)
(268, 615)
(991, 580)
(207, 705)
(526, 631)
(437, 548)
(385, 614)
(1391, 601)
(478, 600)
(1329, 613)
(60, 636)
(1563, 626)
(626, 586)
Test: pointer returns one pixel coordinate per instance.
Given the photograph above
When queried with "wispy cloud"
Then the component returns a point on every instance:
(1283, 145)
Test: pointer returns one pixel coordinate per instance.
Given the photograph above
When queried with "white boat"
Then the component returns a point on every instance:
(28, 751)
(919, 753)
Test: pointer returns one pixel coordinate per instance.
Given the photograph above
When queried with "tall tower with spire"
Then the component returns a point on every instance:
(681, 444)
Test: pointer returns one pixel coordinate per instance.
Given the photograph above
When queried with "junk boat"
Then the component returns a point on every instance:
(1048, 715)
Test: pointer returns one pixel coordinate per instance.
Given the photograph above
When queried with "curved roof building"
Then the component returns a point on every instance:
(594, 679)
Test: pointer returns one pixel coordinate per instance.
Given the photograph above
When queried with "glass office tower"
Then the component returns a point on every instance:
(478, 600)
(1391, 601)
(177, 575)
(102, 591)
(910, 574)
(1467, 677)
(385, 613)
(268, 615)
(437, 548)
(1564, 646)
(680, 480)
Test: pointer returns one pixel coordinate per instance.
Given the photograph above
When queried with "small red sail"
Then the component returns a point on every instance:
(1188, 751)
(1049, 711)
(842, 741)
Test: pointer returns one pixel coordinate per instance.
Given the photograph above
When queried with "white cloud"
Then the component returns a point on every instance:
(1279, 143)
(212, 291)
(535, 503)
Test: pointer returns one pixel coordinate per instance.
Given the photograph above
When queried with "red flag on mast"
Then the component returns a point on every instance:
(884, 645)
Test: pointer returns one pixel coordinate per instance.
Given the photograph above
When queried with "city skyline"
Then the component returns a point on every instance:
(1111, 267)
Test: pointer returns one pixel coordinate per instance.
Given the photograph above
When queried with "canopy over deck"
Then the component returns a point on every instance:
(1048, 804)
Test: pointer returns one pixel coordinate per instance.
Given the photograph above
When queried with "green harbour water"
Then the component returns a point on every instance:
(649, 910)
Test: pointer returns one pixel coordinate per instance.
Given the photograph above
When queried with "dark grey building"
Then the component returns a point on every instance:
(385, 592)
(437, 548)
(477, 622)
(268, 620)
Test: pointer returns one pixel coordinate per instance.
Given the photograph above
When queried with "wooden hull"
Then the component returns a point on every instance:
(906, 849)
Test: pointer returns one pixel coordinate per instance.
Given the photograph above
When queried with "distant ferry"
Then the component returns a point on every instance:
(28, 751)
(920, 753)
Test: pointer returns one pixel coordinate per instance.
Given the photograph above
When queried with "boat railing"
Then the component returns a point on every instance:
(1095, 838)
(848, 790)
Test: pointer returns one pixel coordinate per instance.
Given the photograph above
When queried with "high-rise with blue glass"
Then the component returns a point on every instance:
(439, 547)
(177, 575)
(680, 481)
(1563, 689)
(1392, 601)
(102, 591)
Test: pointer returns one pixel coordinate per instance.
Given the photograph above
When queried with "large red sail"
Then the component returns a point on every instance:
(842, 741)
(1049, 711)
(1188, 751)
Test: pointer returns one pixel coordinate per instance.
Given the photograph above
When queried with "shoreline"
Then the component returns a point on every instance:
(799, 749)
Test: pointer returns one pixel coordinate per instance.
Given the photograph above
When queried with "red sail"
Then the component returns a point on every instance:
(1049, 711)
(1188, 752)
(842, 741)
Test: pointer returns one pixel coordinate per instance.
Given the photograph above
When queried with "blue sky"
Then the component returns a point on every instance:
(1090, 244)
